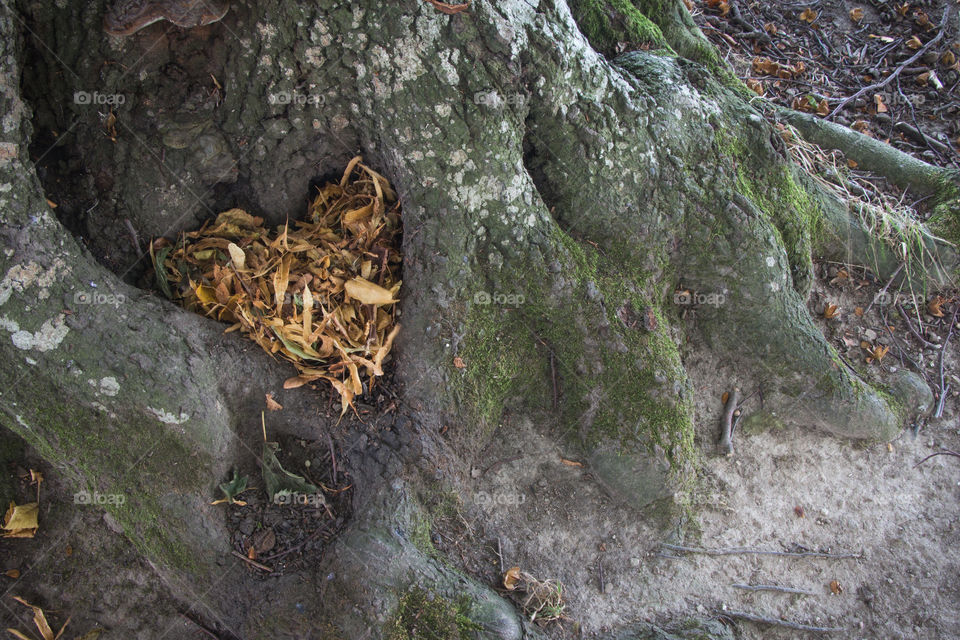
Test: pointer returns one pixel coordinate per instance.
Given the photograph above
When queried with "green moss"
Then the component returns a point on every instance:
(100, 454)
(945, 218)
(423, 615)
(608, 23)
(777, 194)
(622, 395)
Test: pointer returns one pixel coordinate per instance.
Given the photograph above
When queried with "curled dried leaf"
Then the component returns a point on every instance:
(511, 578)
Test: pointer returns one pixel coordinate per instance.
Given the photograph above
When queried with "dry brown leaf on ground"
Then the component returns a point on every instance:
(20, 520)
(511, 577)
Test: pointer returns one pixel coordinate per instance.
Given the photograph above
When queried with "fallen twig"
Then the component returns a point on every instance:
(946, 452)
(252, 563)
(944, 388)
(914, 331)
(883, 292)
(752, 617)
(726, 422)
(773, 587)
(760, 552)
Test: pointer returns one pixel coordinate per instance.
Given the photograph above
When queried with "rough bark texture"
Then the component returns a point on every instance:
(554, 202)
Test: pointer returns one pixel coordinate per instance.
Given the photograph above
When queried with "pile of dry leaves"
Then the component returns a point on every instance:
(321, 295)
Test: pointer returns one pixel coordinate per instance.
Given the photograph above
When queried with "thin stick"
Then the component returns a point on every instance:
(726, 422)
(500, 554)
(914, 331)
(600, 573)
(760, 552)
(883, 291)
(890, 78)
(773, 587)
(752, 617)
(946, 452)
(944, 388)
(252, 563)
(494, 465)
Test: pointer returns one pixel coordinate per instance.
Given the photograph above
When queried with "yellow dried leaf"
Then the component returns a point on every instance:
(835, 587)
(458, 363)
(21, 517)
(831, 311)
(12, 573)
(856, 14)
(809, 15)
(571, 463)
(858, 312)
(39, 619)
(511, 578)
(206, 294)
(914, 43)
(367, 292)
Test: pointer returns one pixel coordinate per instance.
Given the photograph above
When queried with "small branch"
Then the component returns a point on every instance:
(883, 292)
(252, 563)
(600, 574)
(890, 78)
(496, 464)
(500, 555)
(726, 422)
(944, 388)
(761, 552)
(946, 452)
(914, 331)
(773, 587)
(751, 617)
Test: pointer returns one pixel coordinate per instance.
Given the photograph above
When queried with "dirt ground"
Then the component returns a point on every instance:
(787, 491)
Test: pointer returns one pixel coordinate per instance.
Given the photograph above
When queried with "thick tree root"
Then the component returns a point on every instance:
(873, 155)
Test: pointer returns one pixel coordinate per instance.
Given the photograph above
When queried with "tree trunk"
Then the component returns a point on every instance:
(576, 229)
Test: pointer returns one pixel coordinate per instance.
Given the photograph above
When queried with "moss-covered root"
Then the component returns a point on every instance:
(610, 24)
(759, 320)
(386, 575)
(679, 30)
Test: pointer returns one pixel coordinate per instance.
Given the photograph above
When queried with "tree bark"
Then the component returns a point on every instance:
(557, 208)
